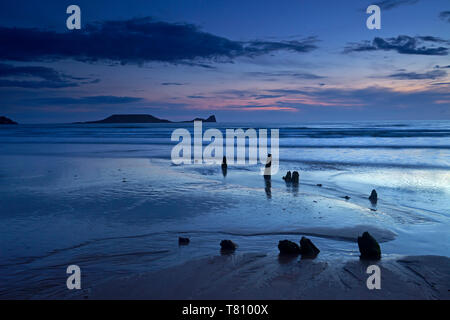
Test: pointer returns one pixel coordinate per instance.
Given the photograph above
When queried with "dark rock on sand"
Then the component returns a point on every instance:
(369, 247)
(307, 248)
(224, 166)
(373, 196)
(295, 177)
(183, 241)
(227, 245)
(5, 120)
(287, 177)
(288, 247)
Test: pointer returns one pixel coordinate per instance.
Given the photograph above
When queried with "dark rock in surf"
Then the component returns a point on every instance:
(373, 196)
(307, 248)
(369, 247)
(288, 247)
(319, 185)
(287, 177)
(295, 177)
(346, 198)
(227, 246)
(183, 241)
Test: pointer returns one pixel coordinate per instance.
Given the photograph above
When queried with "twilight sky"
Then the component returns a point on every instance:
(246, 60)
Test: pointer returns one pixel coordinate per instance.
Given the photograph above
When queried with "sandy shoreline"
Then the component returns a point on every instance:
(123, 235)
(265, 276)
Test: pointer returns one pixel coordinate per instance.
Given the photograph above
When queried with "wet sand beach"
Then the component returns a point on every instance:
(109, 200)
(262, 276)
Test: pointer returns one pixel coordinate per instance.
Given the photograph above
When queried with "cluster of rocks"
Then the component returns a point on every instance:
(368, 247)
(306, 248)
(292, 178)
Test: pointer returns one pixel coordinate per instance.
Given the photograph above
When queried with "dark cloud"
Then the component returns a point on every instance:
(289, 91)
(391, 4)
(266, 96)
(135, 41)
(91, 100)
(36, 84)
(429, 75)
(404, 45)
(50, 74)
(296, 75)
(445, 15)
(197, 97)
(38, 77)
(172, 84)
(234, 93)
(196, 64)
(441, 84)
(255, 48)
(432, 39)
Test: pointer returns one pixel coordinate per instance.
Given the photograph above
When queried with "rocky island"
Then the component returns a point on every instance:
(142, 118)
(5, 120)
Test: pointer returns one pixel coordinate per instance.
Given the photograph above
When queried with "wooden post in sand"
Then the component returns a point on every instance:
(267, 169)
(224, 166)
